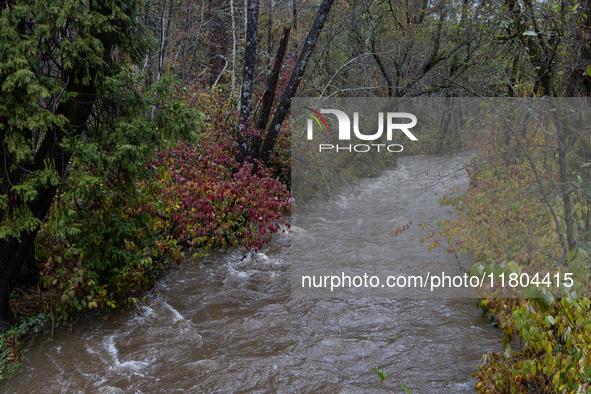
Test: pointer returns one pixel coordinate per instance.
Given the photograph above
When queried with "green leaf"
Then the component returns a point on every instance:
(513, 267)
(530, 33)
(381, 374)
(476, 269)
(405, 388)
(570, 255)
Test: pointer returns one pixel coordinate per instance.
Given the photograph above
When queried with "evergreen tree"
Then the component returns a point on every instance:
(69, 89)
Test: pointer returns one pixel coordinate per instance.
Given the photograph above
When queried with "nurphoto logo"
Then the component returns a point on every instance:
(344, 122)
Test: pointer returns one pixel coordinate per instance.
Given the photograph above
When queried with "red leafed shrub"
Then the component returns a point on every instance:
(205, 199)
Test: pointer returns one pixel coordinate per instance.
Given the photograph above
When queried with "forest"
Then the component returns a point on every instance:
(137, 135)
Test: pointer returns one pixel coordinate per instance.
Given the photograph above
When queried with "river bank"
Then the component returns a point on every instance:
(227, 323)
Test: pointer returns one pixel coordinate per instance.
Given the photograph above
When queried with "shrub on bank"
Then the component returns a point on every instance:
(505, 220)
(110, 237)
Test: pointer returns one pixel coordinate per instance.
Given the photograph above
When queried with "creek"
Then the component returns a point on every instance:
(227, 324)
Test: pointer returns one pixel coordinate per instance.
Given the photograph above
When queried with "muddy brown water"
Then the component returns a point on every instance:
(227, 324)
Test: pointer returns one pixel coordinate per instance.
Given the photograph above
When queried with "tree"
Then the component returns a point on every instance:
(67, 84)
(549, 35)
(256, 147)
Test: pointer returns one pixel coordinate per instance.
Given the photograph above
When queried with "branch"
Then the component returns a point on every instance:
(294, 81)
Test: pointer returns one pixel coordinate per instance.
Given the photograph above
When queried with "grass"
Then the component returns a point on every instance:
(32, 318)
(10, 356)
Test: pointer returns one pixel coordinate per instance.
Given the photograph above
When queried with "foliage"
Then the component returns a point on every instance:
(52, 61)
(207, 201)
(122, 217)
(382, 375)
(552, 348)
(12, 342)
(10, 359)
(98, 245)
(511, 219)
(124, 213)
(77, 121)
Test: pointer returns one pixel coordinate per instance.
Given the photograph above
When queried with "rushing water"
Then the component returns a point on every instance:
(227, 324)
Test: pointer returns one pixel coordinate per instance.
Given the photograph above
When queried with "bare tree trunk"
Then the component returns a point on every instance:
(269, 95)
(294, 8)
(545, 196)
(233, 49)
(246, 98)
(564, 184)
(270, 28)
(12, 255)
(296, 76)
(186, 46)
(162, 40)
(219, 45)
